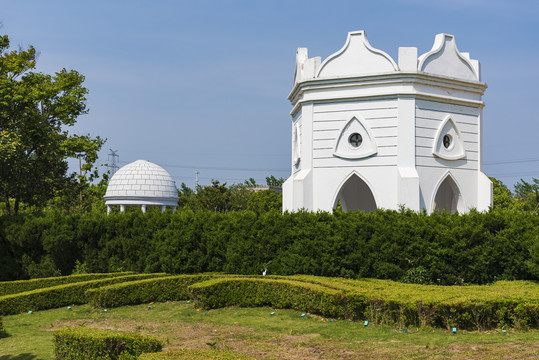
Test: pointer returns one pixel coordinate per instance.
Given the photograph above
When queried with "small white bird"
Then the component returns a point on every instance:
(264, 273)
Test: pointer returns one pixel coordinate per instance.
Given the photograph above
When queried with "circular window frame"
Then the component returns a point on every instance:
(349, 142)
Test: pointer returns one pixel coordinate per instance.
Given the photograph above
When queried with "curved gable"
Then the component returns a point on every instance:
(357, 57)
(445, 59)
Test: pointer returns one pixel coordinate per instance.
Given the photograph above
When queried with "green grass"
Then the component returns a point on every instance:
(253, 331)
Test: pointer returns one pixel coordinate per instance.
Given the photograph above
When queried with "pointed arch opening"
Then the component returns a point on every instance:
(355, 195)
(448, 197)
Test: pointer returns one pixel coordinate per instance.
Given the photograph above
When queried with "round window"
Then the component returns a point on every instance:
(447, 141)
(355, 140)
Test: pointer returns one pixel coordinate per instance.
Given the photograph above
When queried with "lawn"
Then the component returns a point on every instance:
(257, 333)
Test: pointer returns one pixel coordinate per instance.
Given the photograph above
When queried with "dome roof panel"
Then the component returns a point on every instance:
(144, 181)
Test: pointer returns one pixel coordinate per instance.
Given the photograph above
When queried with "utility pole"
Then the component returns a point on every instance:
(196, 179)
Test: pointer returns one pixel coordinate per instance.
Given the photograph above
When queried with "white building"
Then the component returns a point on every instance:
(370, 133)
(141, 183)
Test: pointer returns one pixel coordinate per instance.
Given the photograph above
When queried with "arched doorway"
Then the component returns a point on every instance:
(355, 195)
(448, 197)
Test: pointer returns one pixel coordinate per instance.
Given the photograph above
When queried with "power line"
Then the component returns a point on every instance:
(514, 161)
(515, 174)
(223, 168)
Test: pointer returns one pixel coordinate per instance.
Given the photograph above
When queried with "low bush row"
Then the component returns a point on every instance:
(473, 313)
(13, 287)
(100, 344)
(396, 291)
(169, 288)
(284, 294)
(187, 354)
(61, 295)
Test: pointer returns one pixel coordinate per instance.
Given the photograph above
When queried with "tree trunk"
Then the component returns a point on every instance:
(8, 207)
(16, 206)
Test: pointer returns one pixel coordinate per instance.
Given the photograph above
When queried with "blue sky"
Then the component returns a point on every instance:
(204, 84)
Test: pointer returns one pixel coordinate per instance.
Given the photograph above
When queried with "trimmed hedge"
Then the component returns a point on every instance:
(187, 354)
(380, 302)
(57, 296)
(474, 248)
(169, 288)
(18, 286)
(284, 294)
(100, 344)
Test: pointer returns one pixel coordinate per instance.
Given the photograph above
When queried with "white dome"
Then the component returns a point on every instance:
(141, 183)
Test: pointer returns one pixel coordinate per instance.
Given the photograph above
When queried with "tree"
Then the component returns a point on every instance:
(264, 201)
(528, 194)
(273, 181)
(35, 108)
(502, 197)
(214, 198)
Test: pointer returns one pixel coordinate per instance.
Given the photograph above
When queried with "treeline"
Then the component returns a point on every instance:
(400, 245)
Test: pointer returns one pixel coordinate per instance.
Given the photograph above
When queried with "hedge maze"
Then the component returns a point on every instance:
(503, 304)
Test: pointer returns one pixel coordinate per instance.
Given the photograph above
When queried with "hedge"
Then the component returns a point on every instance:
(379, 302)
(57, 296)
(188, 354)
(100, 344)
(477, 248)
(170, 288)
(18, 286)
(284, 294)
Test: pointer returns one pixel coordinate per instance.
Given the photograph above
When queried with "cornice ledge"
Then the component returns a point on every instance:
(416, 95)
(387, 78)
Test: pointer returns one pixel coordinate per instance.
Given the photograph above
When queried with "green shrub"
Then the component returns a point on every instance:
(99, 344)
(17, 286)
(57, 296)
(503, 304)
(170, 288)
(284, 294)
(187, 354)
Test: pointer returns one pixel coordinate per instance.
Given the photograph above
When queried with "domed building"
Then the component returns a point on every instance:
(141, 183)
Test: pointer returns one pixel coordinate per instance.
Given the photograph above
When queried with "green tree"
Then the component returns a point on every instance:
(528, 194)
(214, 198)
(35, 108)
(502, 197)
(265, 200)
(273, 181)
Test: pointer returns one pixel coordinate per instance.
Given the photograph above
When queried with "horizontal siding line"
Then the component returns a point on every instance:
(444, 167)
(352, 166)
(432, 138)
(430, 147)
(430, 157)
(348, 110)
(439, 120)
(374, 157)
(348, 118)
(445, 111)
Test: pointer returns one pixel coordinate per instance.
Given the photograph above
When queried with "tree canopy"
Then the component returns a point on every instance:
(35, 109)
